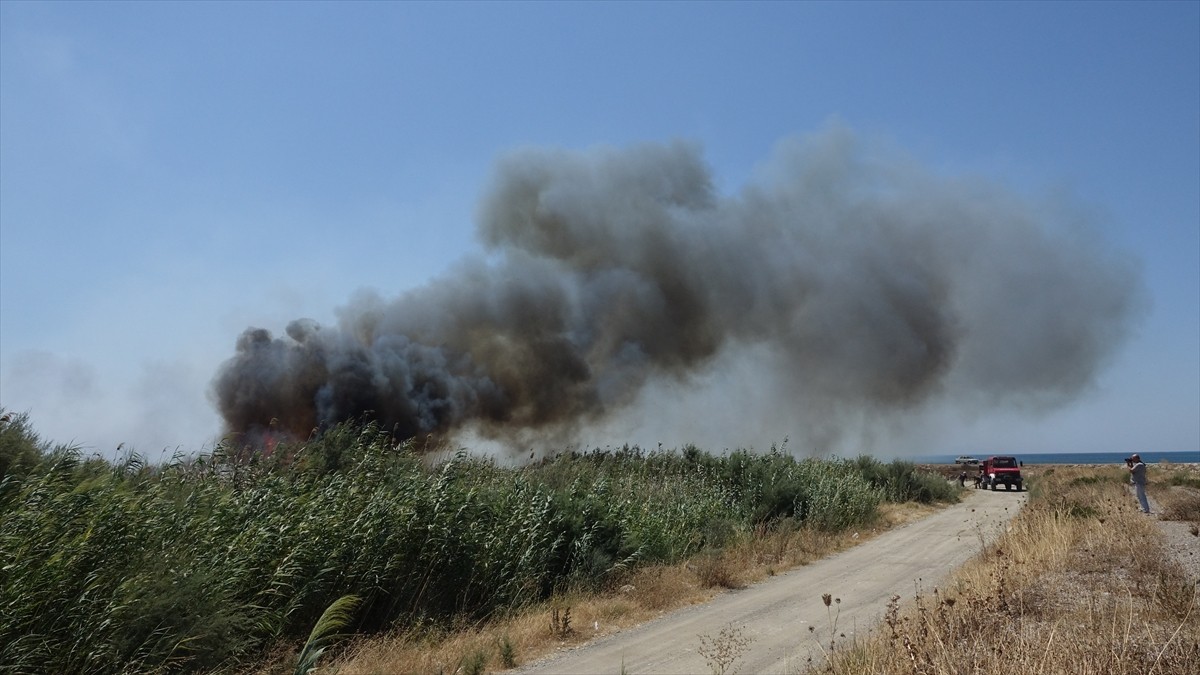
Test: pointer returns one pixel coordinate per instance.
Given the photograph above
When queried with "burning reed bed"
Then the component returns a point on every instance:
(211, 563)
(1080, 583)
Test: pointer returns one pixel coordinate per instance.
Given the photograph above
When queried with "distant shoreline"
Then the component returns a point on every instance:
(1080, 458)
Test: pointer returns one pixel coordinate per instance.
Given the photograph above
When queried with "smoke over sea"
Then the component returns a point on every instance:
(861, 285)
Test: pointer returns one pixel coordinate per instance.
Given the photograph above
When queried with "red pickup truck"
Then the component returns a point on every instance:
(1001, 470)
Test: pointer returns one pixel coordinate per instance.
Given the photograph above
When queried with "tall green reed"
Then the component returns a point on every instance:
(201, 563)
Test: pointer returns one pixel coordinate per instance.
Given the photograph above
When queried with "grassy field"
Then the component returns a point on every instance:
(1081, 583)
(230, 562)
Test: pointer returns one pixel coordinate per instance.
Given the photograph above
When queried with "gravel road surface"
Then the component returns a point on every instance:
(775, 615)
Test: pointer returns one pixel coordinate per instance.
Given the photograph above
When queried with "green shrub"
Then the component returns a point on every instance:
(901, 481)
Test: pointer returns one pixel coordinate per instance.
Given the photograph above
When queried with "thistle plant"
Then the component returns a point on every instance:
(724, 650)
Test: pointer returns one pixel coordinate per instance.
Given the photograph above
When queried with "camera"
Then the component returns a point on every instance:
(1129, 460)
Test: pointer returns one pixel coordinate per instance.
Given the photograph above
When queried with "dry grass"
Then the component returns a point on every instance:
(1178, 503)
(643, 595)
(1079, 584)
(1175, 488)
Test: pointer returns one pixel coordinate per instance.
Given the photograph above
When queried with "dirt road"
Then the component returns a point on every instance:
(774, 616)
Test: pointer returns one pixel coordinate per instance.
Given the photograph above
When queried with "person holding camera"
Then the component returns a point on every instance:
(1137, 476)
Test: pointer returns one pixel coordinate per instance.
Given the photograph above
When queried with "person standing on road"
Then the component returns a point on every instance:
(1137, 476)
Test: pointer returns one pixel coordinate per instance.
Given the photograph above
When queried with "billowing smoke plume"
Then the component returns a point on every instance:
(872, 284)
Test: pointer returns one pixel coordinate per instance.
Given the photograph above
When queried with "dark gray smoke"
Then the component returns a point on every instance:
(874, 285)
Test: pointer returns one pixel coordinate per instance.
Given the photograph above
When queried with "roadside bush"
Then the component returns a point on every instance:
(839, 497)
(900, 481)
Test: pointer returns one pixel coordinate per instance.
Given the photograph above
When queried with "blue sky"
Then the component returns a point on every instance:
(172, 173)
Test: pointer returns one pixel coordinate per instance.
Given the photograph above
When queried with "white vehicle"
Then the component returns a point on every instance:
(969, 461)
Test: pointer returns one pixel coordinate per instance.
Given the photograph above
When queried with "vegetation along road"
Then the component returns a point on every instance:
(785, 624)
